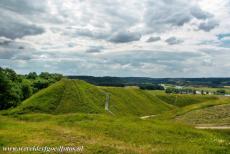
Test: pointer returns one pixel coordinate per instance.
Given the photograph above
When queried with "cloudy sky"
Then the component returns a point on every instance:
(153, 38)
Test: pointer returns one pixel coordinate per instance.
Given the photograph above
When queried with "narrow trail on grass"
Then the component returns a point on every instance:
(107, 103)
(212, 127)
(146, 117)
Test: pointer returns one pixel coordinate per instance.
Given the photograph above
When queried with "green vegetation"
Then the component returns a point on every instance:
(68, 96)
(100, 133)
(119, 81)
(226, 89)
(15, 88)
(65, 96)
(215, 115)
(72, 113)
(186, 99)
(135, 102)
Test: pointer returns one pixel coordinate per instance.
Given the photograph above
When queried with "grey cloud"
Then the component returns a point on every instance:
(116, 37)
(21, 47)
(7, 54)
(108, 21)
(18, 30)
(208, 25)
(4, 41)
(17, 50)
(12, 26)
(200, 14)
(84, 32)
(159, 16)
(124, 37)
(94, 49)
(165, 14)
(173, 41)
(153, 39)
(24, 6)
(140, 56)
(129, 63)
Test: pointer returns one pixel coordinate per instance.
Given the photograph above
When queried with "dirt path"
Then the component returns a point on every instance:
(212, 127)
(146, 117)
(107, 103)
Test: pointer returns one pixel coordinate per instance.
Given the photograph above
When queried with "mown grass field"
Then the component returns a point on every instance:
(71, 113)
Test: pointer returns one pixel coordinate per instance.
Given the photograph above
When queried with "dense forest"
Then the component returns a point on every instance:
(15, 88)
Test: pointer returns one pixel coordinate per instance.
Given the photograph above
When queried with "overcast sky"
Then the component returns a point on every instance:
(153, 38)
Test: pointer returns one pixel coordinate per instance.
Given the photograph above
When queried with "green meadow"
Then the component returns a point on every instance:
(72, 113)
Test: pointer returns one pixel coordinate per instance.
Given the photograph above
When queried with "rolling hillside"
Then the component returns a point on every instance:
(215, 115)
(185, 99)
(69, 96)
(41, 120)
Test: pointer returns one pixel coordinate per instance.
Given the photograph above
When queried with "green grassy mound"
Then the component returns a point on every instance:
(181, 100)
(216, 115)
(69, 96)
(65, 96)
(135, 102)
(180, 111)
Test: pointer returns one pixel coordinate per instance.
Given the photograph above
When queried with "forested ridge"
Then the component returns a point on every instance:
(14, 88)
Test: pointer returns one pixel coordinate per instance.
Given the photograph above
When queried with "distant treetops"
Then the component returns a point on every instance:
(15, 88)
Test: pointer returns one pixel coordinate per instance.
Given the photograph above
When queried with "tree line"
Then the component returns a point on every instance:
(14, 88)
(172, 90)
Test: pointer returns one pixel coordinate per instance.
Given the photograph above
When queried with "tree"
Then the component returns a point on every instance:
(221, 92)
(32, 75)
(4, 90)
(40, 84)
(11, 74)
(169, 90)
(202, 92)
(44, 75)
(15, 88)
(10, 93)
(26, 89)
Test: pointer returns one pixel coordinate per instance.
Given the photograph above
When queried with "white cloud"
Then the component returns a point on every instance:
(127, 38)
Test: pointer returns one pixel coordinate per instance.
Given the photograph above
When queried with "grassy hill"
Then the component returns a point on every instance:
(135, 101)
(215, 115)
(69, 96)
(71, 113)
(181, 100)
(65, 96)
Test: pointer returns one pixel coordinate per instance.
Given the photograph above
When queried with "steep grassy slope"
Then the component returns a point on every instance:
(69, 96)
(135, 102)
(65, 96)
